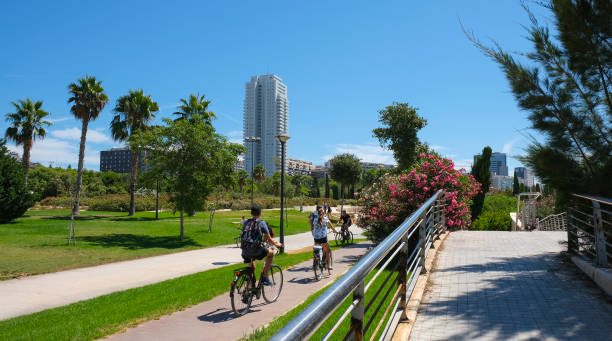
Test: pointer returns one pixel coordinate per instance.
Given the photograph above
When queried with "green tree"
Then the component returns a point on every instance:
(241, 179)
(315, 192)
(401, 124)
(133, 111)
(482, 173)
(565, 86)
(15, 198)
(326, 185)
(196, 158)
(516, 189)
(88, 98)
(195, 106)
(26, 124)
(537, 188)
(259, 174)
(297, 181)
(345, 169)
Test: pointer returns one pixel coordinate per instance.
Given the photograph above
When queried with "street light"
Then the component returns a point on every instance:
(282, 138)
(252, 139)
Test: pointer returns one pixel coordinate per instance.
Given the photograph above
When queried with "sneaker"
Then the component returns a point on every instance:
(266, 281)
(330, 268)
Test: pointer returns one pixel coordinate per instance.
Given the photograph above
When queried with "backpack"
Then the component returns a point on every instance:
(251, 236)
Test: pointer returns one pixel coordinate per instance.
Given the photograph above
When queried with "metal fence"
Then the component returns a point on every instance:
(426, 223)
(589, 231)
(554, 222)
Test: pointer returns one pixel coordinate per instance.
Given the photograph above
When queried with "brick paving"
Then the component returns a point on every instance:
(510, 286)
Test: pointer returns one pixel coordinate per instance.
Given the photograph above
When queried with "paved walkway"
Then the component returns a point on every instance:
(214, 320)
(510, 286)
(32, 294)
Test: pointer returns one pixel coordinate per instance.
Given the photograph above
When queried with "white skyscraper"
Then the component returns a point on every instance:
(266, 115)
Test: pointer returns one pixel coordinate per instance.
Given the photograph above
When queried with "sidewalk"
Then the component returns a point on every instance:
(214, 319)
(32, 294)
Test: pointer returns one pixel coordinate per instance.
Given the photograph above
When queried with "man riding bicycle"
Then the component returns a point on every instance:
(254, 232)
(320, 223)
(346, 220)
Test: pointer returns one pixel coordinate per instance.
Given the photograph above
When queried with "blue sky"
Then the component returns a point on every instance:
(342, 61)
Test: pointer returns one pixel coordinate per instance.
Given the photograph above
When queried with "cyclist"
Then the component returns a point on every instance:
(254, 233)
(319, 231)
(313, 215)
(346, 220)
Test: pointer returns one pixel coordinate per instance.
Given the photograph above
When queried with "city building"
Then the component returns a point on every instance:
(502, 182)
(118, 160)
(318, 172)
(266, 115)
(239, 165)
(365, 166)
(295, 166)
(498, 164)
(524, 176)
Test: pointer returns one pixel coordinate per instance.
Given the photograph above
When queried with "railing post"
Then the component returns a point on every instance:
(601, 259)
(357, 315)
(401, 277)
(422, 238)
(572, 239)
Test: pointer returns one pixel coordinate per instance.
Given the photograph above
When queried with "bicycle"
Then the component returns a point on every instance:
(245, 287)
(319, 263)
(344, 237)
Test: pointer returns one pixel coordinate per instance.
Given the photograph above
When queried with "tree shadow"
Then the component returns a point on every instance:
(524, 298)
(127, 218)
(80, 217)
(136, 242)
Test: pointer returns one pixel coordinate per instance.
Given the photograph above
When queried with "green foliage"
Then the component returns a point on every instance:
(401, 124)
(516, 189)
(195, 107)
(345, 169)
(14, 195)
(241, 179)
(315, 192)
(565, 86)
(482, 173)
(493, 221)
(259, 173)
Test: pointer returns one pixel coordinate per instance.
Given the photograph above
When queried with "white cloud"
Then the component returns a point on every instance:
(464, 163)
(235, 136)
(59, 152)
(367, 153)
(75, 135)
(438, 148)
(61, 119)
(508, 145)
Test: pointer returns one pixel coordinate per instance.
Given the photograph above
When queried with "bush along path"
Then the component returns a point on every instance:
(214, 319)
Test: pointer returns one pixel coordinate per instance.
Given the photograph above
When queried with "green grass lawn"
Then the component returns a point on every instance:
(36, 243)
(109, 314)
(278, 323)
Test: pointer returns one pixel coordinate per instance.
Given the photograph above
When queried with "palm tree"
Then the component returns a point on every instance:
(194, 105)
(89, 99)
(259, 174)
(26, 125)
(242, 176)
(134, 112)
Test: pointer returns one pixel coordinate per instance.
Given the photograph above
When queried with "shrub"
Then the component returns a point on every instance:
(390, 200)
(493, 221)
(15, 199)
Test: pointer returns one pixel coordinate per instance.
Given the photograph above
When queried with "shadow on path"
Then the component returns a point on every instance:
(524, 298)
(135, 242)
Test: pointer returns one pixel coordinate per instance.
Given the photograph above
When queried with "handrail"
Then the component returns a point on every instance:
(590, 235)
(316, 313)
(602, 200)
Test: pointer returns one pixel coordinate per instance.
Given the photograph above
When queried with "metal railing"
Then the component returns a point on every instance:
(554, 222)
(426, 223)
(589, 230)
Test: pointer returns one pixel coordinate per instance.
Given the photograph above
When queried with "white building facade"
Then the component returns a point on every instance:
(266, 115)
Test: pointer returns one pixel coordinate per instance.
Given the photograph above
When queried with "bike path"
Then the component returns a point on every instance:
(214, 319)
(36, 293)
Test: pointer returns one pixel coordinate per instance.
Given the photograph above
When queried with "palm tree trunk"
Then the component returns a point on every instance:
(182, 226)
(27, 146)
(79, 183)
(133, 178)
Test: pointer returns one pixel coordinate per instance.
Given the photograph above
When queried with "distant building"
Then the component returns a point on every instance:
(502, 182)
(266, 115)
(525, 176)
(498, 163)
(118, 160)
(239, 165)
(318, 172)
(295, 166)
(365, 166)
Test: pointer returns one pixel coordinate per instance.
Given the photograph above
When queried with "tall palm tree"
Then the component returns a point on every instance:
(134, 112)
(259, 174)
(88, 98)
(26, 125)
(194, 105)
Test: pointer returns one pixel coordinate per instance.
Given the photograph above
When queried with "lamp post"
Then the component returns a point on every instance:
(282, 138)
(252, 139)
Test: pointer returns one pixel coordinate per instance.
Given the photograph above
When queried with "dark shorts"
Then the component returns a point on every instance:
(254, 254)
(321, 240)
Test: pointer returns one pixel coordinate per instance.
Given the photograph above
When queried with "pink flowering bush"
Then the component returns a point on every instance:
(387, 202)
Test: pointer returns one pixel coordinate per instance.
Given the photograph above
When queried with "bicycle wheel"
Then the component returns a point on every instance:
(241, 294)
(339, 239)
(315, 268)
(271, 292)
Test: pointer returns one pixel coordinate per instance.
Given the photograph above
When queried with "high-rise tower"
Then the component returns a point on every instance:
(266, 115)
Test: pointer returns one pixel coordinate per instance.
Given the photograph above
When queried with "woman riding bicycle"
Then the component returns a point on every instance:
(320, 223)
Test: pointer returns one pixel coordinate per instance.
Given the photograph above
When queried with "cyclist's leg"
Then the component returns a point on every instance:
(268, 262)
(327, 251)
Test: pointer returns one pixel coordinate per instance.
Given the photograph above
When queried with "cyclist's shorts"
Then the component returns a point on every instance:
(321, 240)
(249, 255)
